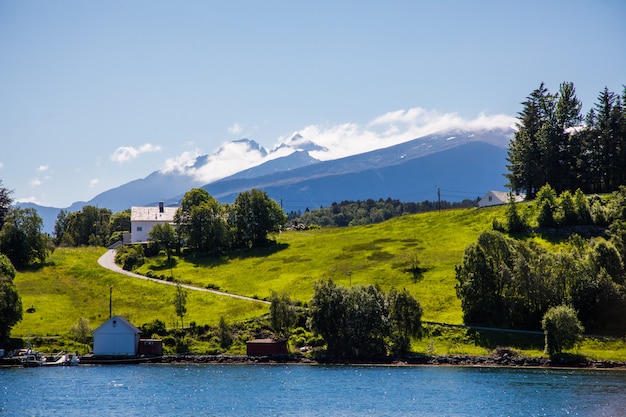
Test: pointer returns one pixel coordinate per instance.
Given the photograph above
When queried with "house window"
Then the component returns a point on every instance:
(139, 228)
(489, 198)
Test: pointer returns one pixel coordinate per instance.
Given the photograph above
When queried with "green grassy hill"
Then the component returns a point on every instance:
(373, 254)
(73, 285)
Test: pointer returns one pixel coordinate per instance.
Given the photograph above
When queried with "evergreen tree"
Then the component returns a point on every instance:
(525, 151)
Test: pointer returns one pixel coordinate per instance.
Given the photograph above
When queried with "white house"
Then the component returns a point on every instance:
(494, 198)
(116, 337)
(143, 219)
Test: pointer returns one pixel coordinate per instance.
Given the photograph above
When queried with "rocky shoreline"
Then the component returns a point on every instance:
(445, 360)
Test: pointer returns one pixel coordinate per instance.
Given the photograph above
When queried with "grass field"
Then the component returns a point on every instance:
(375, 254)
(73, 285)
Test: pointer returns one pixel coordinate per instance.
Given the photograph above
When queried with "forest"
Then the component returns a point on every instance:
(554, 144)
(354, 213)
(511, 283)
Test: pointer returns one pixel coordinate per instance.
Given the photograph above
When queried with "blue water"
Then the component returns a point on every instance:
(303, 390)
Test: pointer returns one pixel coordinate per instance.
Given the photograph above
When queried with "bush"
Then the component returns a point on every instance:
(130, 257)
(562, 329)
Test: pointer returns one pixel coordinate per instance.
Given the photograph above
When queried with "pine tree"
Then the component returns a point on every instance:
(524, 154)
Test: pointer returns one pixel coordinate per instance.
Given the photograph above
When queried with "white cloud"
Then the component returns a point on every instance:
(43, 168)
(127, 153)
(235, 129)
(339, 140)
(391, 129)
(94, 182)
(35, 182)
(31, 199)
(229, 159)
(1, 165)
(181, 163)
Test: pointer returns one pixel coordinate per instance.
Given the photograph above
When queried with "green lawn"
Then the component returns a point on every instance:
(73, 285)
(374, 254)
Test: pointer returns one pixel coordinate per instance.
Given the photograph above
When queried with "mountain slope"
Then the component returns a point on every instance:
(469, 162)
(469, 170)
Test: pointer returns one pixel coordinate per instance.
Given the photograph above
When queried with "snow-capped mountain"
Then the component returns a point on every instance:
(470, 161)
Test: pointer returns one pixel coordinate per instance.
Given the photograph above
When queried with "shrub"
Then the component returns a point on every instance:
(562, 329)
(130, 257)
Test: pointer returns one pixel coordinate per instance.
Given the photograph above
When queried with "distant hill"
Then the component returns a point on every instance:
(469, 163)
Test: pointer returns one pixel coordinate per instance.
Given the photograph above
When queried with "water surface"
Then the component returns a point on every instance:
(304, 390)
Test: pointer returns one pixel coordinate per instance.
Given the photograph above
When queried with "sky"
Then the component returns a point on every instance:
(94, 94)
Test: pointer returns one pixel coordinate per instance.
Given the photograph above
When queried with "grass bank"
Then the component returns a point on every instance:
(380, 254)
(73, 285)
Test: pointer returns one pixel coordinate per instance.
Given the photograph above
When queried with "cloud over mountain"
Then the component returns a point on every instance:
(329, 142)
(128, 153)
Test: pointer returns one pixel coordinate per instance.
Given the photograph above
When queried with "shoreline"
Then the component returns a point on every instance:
(418, 360)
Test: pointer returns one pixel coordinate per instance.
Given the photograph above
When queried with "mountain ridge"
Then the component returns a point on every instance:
(297, 177)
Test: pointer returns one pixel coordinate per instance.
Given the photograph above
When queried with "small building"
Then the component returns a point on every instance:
(151, 347)
(143, 219)
(116, 337)
(496, 198)
(266, 347)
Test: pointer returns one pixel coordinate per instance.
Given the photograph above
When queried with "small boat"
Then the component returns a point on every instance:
(32, 359)
(63, 359)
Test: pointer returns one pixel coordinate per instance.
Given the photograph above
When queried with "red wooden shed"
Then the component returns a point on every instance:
(266, 347)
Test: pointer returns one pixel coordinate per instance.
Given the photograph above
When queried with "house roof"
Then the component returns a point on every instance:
(504, 196)
(146, 214)
(121, 320)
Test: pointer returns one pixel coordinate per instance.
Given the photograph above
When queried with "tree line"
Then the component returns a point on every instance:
(204, 225)
(359, 321)
(555, 144)
(354, 213)
(511, 283)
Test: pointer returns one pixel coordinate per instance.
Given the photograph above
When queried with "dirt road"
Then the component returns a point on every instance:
(108, 261)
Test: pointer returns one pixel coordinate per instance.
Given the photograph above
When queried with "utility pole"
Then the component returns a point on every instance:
(111, 301)
(439, 199)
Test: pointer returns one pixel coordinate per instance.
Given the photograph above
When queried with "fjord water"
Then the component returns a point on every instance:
(301, 390)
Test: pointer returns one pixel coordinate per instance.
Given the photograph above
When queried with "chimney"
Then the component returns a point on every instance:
(160, 207)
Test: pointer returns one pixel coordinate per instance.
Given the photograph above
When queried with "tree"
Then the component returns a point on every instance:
(514, 221)
(21, 238)
(5, 202)
(525, 151)
(180, 303)
(10, 301)
(480, 287)
(81, 331)
(605, 256)
(60, 226)
(283, 314)
(89, 226)
(119, 223)
(354, 321)
(226, 338)
(255, 216)
(562, 329)
(200, 220)
(405, 315)
(546, 204)
(164, 236)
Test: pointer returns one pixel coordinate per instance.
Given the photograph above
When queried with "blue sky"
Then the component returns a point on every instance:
(94, 94)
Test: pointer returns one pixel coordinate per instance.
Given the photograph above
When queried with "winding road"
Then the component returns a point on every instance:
(108, 261)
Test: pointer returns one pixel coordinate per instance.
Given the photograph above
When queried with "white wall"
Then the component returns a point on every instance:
(142, 235)
(114, 344)
(115, 337)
